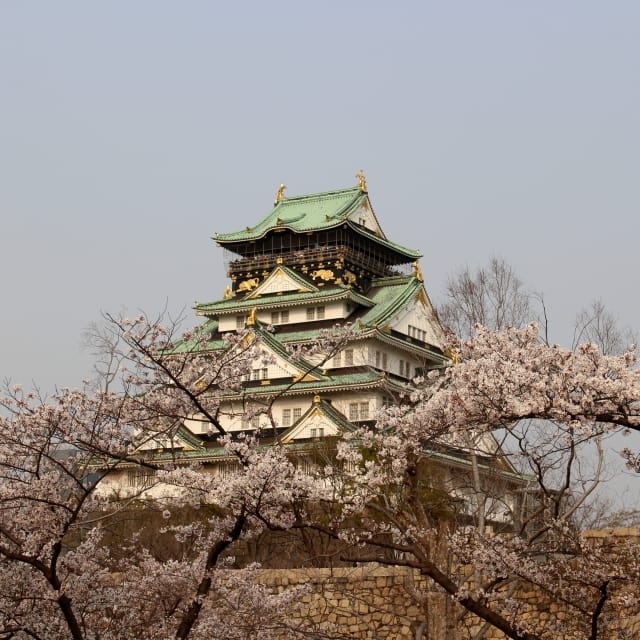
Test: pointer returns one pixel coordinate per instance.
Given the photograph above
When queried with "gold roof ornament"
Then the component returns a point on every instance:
(251, 318)
(280, 193)
(316, 399)
(417, 272)
(362, 183)
(452, 354)
(227, 293)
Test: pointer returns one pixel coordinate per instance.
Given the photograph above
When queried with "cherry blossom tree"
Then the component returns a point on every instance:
(485, 530)
(550, 403)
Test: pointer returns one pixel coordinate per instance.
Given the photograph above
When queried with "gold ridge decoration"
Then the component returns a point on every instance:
(280, 193)
(417, 272)
(248, 284)
(227, 293)
(350, 277)
(251, 318)
(323, 274)
(362, 183)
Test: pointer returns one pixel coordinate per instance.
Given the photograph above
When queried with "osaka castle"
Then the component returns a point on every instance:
(311, 263)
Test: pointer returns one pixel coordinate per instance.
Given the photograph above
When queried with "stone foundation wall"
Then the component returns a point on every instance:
(374, 602)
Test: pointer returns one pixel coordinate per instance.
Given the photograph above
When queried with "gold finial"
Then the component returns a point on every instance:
(417, 273)
(280, 193)
(362, 183)
(251, 318)
(316, 399)
(227, 292)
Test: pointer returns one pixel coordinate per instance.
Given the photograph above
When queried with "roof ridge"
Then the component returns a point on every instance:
(308, 196)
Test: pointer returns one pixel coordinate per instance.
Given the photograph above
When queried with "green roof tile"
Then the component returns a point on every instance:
(231, 305)
(314, 212)
(302, 213)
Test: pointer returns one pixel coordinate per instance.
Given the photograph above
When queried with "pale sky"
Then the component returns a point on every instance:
(131, 132)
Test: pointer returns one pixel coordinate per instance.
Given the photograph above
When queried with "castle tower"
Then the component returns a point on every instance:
(312, 262)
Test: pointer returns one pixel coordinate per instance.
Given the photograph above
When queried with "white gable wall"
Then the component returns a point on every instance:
(421, 317)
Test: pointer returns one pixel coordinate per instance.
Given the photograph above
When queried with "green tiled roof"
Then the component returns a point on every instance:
(390, 298)
(360, 379)
(232, 305)
(302, 214)
(268, 339)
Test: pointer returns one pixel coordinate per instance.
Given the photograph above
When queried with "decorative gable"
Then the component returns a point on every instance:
(418, 320)
(278, 365)
(183, 440)
(282, 280)
(320, 421)
(363, 216)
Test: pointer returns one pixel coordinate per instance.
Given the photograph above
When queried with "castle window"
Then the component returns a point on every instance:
(384, 361)
(364, 411)
(314, 313)
(240, 320)
(280, 317)
(260, 374)
(297, 413)
(337, 360)
(353, 411)
(401, 367)
(407, 369)
(378, 359)
(286, 417)
(348, 357)
(141, 478)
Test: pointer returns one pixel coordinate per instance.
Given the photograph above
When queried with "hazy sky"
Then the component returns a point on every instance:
(130, 132)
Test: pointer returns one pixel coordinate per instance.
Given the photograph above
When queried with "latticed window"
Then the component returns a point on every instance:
(141, 478)
(353, 411)
(284, 315)
(297, 413)
(240, 320)
(320, 313)
(311, 313)
(348, 357)
(286, 417)
(364, 411)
